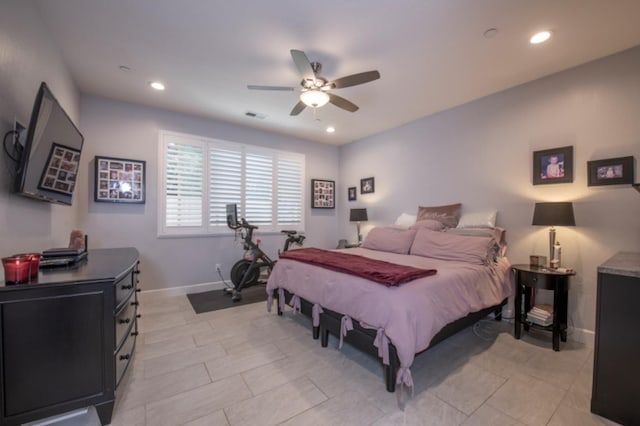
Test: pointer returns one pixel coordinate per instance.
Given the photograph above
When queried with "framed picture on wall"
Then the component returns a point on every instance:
(612, 171)
(553, 166)
(59, 174)
(323, 194)
(352, 193)
(119, 180)
(367, 185)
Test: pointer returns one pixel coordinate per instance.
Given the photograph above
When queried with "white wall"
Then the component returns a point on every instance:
(27, 57)
(480, 154)
(122, 130)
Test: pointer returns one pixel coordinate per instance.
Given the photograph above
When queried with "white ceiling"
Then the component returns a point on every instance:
(431, 54)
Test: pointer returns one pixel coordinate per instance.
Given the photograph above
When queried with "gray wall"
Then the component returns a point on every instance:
(27, 57)
(122, 130)
(480, 154)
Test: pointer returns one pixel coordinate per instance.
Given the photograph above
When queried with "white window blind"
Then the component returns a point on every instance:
(200, 176)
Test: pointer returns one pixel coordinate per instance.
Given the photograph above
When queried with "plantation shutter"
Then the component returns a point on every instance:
(290, 194)
(198, 177)
(225, 182)
(184, 179)
(258, 207)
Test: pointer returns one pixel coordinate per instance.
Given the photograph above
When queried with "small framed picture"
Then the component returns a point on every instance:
(553, 166)
(612, 171)
(367, 185)
(118, 180)
(352, 193)
(323, 194)
(61, 168)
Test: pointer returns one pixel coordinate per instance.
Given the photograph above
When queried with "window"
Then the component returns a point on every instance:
(200, 176)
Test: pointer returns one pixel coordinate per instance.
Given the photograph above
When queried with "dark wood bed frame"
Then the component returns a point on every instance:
(362, 338)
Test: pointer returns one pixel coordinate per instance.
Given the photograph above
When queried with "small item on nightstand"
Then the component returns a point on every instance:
(557, 249)
(537, 260)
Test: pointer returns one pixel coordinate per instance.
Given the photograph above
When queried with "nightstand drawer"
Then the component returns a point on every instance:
(534, 279)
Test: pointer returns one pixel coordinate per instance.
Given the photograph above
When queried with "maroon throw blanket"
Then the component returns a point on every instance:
(387, 273)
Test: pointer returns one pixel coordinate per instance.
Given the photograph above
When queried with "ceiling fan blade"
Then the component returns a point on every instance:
(303, 65)
(274, 88)
(298, 108)
(355, 79)
(341, 102)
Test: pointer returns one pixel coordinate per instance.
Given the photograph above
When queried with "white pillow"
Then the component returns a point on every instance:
(478, 220)
(406, 219)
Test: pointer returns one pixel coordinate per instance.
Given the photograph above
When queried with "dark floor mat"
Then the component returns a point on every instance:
(217, 299)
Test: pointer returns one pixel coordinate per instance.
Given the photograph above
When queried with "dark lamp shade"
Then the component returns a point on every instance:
(358, 215)
(553, 214)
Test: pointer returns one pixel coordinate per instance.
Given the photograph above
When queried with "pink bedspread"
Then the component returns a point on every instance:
(387, 273)
(410, 314)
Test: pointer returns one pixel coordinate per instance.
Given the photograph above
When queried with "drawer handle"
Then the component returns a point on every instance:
(127, 287)
(137, 271)
(138, 290)
(124, 357)
(534, 279)
(125, 321)
(135, 303)
(135, 333)
(138, 316)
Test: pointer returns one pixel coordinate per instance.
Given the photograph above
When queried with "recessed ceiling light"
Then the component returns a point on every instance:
(156, 85)
(540, 37)
(331, 129)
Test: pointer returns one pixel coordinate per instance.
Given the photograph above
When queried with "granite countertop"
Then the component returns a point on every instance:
(622, 263)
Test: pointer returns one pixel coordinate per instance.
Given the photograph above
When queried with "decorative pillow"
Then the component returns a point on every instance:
(391, 239)
(406, 219)
(448, 246)
(434, 225)
(478, 220)
(448, 215)
(498, 234)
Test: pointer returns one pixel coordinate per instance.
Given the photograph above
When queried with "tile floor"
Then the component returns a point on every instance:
(244, 366)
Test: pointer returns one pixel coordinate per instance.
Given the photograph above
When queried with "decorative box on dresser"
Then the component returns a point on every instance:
(68, 338)
(616, 365)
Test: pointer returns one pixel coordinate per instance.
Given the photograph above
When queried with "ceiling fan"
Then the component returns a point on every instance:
(315, 88)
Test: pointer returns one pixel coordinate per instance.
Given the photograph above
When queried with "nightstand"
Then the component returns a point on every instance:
(543, 278)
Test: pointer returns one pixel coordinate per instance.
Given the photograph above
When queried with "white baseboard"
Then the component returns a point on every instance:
(185, 289)
(588, 337)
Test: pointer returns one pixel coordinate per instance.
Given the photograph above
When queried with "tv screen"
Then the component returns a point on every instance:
(51, 157)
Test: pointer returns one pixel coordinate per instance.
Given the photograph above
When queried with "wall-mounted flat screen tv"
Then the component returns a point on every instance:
(50, 160)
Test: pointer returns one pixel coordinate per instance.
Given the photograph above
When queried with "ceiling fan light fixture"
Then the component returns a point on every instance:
(540, 37)
(314, 98)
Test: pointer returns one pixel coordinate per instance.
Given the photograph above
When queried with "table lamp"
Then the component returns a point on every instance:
(553, 214)
(358, 215)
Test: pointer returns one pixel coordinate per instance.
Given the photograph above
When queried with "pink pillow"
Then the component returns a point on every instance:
(434, 225)
(393, 240)
(447, 246)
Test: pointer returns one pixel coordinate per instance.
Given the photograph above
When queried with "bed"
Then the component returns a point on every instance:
(397, 322)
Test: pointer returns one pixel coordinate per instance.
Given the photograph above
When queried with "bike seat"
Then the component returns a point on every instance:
(289, 233)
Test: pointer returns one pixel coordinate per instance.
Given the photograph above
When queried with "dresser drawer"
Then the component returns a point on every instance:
(533, 279)
(125, 319)
(125, 355)
(125, 288)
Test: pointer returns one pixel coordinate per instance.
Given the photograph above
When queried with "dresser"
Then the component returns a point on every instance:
(67, 339)
(616, 366)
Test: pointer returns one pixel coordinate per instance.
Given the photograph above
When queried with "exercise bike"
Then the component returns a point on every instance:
(246, 272)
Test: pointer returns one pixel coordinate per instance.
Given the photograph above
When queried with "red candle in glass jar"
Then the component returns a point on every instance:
(16, 269)
(34, 258)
